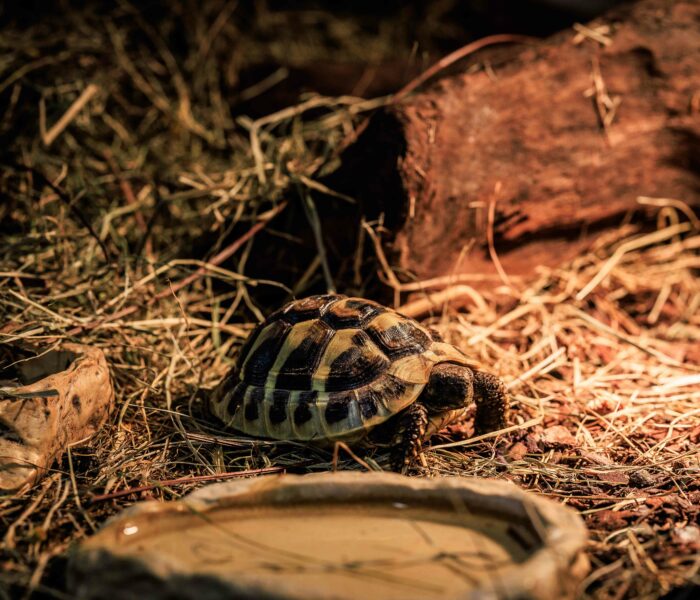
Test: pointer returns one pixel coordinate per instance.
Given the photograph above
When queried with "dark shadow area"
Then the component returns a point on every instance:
(19, 367)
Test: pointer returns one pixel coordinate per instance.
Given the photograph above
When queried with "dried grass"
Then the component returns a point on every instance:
(601, 355)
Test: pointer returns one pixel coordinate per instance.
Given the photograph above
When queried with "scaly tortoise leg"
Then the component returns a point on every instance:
(491, 400)
(408, 439)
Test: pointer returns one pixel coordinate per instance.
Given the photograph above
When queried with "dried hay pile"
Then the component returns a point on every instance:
(127, 183)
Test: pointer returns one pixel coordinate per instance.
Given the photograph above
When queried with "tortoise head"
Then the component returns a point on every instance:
(449, 387)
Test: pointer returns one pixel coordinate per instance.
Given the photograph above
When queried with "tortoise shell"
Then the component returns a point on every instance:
(328, 367)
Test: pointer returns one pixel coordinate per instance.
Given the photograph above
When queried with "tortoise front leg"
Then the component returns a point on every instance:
(408, 438)
(491, 400)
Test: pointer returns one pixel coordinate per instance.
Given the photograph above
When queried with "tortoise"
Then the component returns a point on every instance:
(330, 367)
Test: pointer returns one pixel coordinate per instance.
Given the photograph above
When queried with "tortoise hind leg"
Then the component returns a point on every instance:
(491, 400)
(408, 439)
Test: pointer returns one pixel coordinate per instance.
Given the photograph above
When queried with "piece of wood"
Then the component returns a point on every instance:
(559, 140)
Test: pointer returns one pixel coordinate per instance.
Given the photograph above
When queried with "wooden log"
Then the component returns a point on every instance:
(559, 141)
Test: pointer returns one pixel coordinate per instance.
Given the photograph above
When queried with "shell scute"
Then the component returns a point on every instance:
(369, 404)
(351, 361)
(300, 356)
(352, 313)
(308, 308)
(398, 336)
(263, 353)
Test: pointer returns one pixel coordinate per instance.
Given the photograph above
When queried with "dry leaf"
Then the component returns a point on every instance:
(613, 477)
(558, 436)
(517, 451)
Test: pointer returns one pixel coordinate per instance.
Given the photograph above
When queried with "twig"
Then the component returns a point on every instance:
(673, 202)
(131, 200)
(384, 263)
(67, 201)
(625, 338)
(606, 106)
(50, 136)
(347, 449)
(634, 244)
(429, 73)
(74, 483)
(184, 481)
(455, 295)
(598, 34)
(218, 259)
(315, 222)
(489, 238)
(491, 434)
(457, 55)
(227, 252)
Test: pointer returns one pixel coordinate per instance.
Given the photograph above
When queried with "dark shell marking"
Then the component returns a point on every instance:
(338, 407)
(356, 366)
(306, 403)
(325, 366)
(251, 410)
(352, 314)
(236, 399)
(399, 340)
(264, 352)
(299, 362)
(278, 410)
(304, 310)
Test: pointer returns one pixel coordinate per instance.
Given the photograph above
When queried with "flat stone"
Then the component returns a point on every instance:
(337, 535)
(47, 402)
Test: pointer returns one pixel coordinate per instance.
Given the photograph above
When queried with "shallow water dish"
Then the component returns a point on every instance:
(345, 535)
(48, 401)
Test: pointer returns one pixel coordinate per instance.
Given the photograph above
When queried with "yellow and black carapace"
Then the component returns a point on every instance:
(329, 368)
